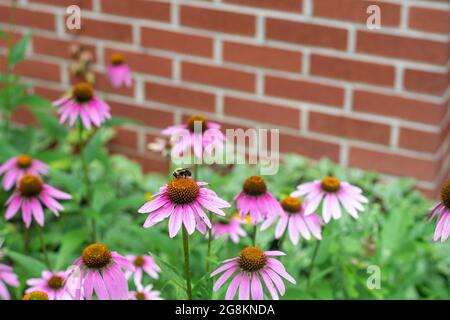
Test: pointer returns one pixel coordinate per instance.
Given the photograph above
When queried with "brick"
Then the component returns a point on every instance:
(83, 4)
(218, 76)
(145, 9)
(402, 47)
(281, 5)
(356, 10)
(217, 20)
(262, 56)
(341, 126)
(180, 97)
(177, 41)
(29, 18)
(426, 81)
(24, 116)
(306, 34)
(144, 116)
(56, 47)
(36, 69)
(103, 84)
(148, 164)
(144, 63)
(352, 70)
(427, 19)
(391, 163)
(104, 30)
(398, 107)
(310, 148)
(48, 93)
(125, 137)
(418, 140)
(262, 112)
(304, 91)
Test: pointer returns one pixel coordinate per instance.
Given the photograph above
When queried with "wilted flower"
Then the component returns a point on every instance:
(36, 295)
(256, 201)
(142, 264)
(442, 209)
(100, 271)
(160, 145)
(84, 104)
(52, 283)
(118, 71)
(9, 277)
(183, 200)
(252, 264)
(30, 193)
(197, 134)
(145, 293)
(335, 193)
(293, 218)
(231, 228)
(15, 168)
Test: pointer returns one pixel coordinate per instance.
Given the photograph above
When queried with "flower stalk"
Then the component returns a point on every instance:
(187, 272)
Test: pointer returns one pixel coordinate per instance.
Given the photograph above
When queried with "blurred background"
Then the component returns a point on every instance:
(372, 99)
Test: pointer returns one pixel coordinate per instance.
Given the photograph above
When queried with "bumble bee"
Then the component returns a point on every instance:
(182, 173)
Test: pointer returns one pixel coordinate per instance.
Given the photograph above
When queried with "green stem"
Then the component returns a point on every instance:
(187, 272)
(313, 260)
(281, 241)
(43, 247)
(208, 257)
(255, 231)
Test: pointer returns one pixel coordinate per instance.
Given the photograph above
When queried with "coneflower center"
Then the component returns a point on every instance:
(445, 194)
(139, 261)
(197, 119)
(83, 92)
(55, 282)
(24, 161)
(140, 296)
(117, 58)
(331, 184)
(96, 256)
(291, 204)
(35, 295)
(182, 190)
(252, 259)
(254, 186)
(30, 186)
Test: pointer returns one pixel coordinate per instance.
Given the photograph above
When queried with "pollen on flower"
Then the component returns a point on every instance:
(331, 184)
(140, 296)
(30, 186)
(83, 92)
(196, 119)
(35, 295)
(252, 259)
(55, 282)
(24, 161)
(117, 58)
(291, 204)
(445, 194)
(96, 256)
(139, 261)
(254, 186)
(182, 190)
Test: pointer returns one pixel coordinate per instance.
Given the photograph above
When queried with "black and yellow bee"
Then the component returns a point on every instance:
(182, 173)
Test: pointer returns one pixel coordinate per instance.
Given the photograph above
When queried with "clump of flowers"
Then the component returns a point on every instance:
(252, 265)
(145, 293)
(231, 228)
(7, 276)
(334, 193)
(142, 264)
(16, 167)
(52, 283)
(442, 210)
(118, 71)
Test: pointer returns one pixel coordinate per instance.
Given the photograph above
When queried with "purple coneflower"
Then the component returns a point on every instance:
(256, 201)
(9, 277)
(52, 283)
(30, 193)
(442, 209)
(251, 265)
(293, 218)
(100, 272)
(145, 293)
(197, 134)
(142, 264)
(16, 167)
(334, 194)
(183, 200)
(36, 295)
(84, 104)
(231, 228)
(118, 71)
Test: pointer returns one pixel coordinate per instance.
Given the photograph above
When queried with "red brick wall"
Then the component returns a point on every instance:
(370, 99)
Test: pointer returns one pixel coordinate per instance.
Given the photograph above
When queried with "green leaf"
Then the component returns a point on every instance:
(50, 124)
(70, 242)
(17, 53)
(93, 147)
(118, 205)
(119, 121)
(35, 101)
(32, 265)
